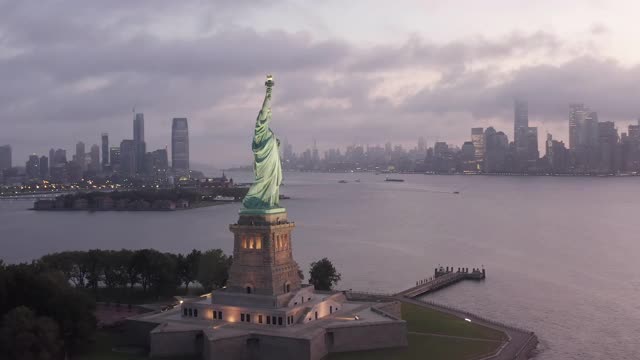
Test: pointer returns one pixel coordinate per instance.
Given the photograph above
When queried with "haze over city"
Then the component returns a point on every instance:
(73, 70)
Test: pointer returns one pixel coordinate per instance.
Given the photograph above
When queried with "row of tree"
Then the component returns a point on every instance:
(155, 273)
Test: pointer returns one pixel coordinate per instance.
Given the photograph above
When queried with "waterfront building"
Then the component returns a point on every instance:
(577, 114)
(520, 125)
(52, 154)
(559, 157)
(532, 153)
(477, 137)
(422, 145)
(631, 146)
(468, 157)
(128, 156)
(60, 157)
(160, 160)
(105, 151)
(609, 159)
(80, 156)
(74, 171)
(5, 157)
(94, 156)
(33, 167)
(44, 167)
(180, 146)
(496, 147)
(140, 145)
(114, 158)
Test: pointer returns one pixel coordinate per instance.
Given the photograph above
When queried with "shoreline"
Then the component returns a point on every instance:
(136, 210)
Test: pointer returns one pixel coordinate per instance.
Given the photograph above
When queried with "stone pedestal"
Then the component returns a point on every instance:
(263, 268)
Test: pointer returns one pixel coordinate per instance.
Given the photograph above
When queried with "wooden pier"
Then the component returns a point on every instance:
(443, 277)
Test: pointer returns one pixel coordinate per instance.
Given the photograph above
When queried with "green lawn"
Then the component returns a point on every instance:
(425, 346)
(424, 320)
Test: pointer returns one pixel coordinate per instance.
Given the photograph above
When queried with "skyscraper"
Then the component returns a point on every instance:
(114, 158)
(422, 145)
(138, 138)
(5, 157)
(105, 150)
(128, 155)
(81, 156)
(477, 138)
(44, 167)
(52, 154)
(577, 114)
(532, 153)
(33, 167)
(94, 154)
(60, 157)
(608, 159)
(180, 145)
(520, 125)
(138, 127)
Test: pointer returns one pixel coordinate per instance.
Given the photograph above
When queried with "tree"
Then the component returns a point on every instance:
(23, 336)
(323, 275)
(188, 267)
(49, 294)
(114, 268)
(213, 269)
(93, 261)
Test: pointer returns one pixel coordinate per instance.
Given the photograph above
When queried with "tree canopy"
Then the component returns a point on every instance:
(323, 275)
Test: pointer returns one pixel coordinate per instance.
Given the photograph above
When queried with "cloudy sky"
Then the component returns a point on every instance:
(358, 71)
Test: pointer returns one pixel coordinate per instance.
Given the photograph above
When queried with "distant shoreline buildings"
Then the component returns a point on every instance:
(595, 148)
(124, 163)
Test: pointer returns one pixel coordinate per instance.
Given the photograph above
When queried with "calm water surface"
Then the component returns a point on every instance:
(561, 253)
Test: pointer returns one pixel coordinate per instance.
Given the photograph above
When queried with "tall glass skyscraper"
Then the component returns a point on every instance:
(520, 125)
(105, 150)
(138, 140)
(5, 157)
(180, 145)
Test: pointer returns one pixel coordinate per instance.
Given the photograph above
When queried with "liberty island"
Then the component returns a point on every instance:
(265, 312)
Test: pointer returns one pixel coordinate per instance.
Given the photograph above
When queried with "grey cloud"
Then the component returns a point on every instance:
(417, 51)
(216, 80)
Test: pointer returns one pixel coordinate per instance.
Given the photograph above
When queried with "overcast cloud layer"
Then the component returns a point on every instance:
(70, 70)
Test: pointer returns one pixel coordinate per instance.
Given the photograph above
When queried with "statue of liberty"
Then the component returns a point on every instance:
(264, 194)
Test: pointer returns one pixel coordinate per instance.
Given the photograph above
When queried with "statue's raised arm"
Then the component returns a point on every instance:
(265, 112)
(264, 194)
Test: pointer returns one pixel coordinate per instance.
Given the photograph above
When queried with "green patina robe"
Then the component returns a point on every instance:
(265, 191)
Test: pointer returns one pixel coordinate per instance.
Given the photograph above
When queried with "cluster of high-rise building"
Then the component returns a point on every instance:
(595, 147)
(129, 160)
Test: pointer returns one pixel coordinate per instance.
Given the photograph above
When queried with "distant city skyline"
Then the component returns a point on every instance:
(397, 75)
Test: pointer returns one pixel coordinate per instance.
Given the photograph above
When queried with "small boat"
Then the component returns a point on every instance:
(357, 180)
(393, 180)
(456, 192)
(342, 182)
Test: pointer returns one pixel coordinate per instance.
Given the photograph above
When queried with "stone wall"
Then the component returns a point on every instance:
(227, 349)
(138, 332)
(176, 343)
(393, 308)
